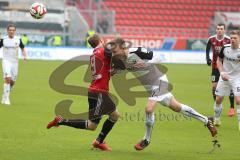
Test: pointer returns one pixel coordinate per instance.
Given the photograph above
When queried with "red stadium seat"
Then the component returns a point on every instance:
(148, 17)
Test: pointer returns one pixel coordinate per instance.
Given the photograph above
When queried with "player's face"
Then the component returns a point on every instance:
(220, 30)
(235, 39)
(119, 50)
(11, 31)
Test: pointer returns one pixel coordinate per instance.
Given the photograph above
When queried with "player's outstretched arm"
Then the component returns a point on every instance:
(1, 43)
(208, 47)
(24, 53)
(223, 74)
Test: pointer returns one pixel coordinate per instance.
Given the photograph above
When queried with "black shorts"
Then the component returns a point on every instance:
(215, 75)
(99, 104)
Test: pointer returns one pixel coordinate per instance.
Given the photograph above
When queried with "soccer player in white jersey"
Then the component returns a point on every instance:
(229, 67)
(10, 45)
(158, 82)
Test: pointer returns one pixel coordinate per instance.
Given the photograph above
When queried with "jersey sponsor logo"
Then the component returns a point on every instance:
(218, 48)
(233, 59)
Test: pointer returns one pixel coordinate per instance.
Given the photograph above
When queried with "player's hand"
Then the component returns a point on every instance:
(224, 76)
(113, 72)
(209, 62)
(139, 64)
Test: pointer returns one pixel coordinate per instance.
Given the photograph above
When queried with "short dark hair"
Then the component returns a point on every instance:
(221, 24)
(94, 40)
(11, 25)
(118, 42)
(235, 32)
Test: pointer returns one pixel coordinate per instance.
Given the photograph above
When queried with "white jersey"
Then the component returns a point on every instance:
(152, 76)
(231, 61)
(11, 47)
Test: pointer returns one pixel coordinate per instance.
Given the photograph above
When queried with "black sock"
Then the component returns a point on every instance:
(231, 99)
(107, 127)
(76, 123)
(213, 94)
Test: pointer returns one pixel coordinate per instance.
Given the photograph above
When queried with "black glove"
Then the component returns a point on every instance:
(209, 62)
(146, 54)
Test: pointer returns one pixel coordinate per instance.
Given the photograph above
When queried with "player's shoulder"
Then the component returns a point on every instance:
(98, 51)
(226, 37)
(17, 37)
(4, 37)
(212, 37)
(226, 46)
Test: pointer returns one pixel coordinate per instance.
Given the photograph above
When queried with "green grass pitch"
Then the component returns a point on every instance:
(23, 133)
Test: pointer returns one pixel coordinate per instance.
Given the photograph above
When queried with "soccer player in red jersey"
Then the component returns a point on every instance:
(216, 42)
(98, 97)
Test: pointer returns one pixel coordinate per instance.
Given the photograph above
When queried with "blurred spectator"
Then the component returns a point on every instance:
(102, 26)
(90, 33)
(24, 39)
(57, 40)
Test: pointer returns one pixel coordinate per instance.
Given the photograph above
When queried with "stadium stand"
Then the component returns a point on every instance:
(168, 18)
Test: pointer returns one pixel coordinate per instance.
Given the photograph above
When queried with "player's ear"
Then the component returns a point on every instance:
(118, 61)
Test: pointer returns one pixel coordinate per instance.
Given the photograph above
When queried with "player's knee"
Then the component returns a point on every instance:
(218, 100)
(237, 99)
(12, 82)
(148, 110)
(8, 80)
(92, 126)
(114, 116)
(213, 90)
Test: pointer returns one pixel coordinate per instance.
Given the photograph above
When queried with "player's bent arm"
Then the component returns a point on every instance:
(1, 43)
(219, 64)
(143, 53)
(24, 53)
(220, 60)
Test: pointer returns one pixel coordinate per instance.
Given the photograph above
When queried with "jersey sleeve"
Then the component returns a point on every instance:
(1, 43)
(107, 52)
(143, 53)
(21, 45)
(208, 47)
(221, 54)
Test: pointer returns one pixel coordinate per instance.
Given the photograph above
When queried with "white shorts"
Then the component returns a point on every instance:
(161, 93)
(10, 69)
(164, 99)
(224, 87)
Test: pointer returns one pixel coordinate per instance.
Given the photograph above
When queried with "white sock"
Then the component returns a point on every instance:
(238, 112)
(150, 118)
(217, 110)
(188, 111)
(6, 90)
